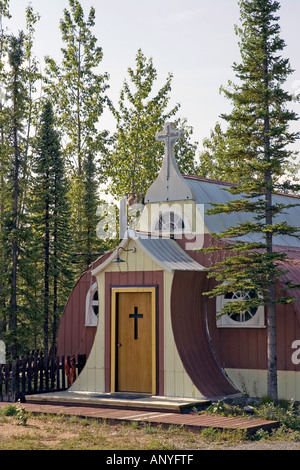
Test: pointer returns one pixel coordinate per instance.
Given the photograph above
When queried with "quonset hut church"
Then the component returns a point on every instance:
(140, 316)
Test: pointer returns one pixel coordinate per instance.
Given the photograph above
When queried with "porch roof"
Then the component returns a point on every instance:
(163, 251)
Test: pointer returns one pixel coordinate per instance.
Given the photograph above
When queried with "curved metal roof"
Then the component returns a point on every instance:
(165, 252)
(210, 191)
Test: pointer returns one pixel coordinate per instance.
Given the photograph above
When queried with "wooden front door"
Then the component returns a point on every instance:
(134, 353)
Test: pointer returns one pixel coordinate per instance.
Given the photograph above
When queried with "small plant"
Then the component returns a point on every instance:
(216, 408)
(22, 415)
(18, 411)
(287, 413)
(211, 434)
(224, 409)
(260, 434)
(10, 410)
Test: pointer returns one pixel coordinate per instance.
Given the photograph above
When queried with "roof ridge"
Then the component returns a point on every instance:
(226, 183)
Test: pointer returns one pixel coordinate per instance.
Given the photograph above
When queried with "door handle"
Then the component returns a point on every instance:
(118, 345)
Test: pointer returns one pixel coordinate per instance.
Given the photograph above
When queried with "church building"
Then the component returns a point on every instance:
(140, 316)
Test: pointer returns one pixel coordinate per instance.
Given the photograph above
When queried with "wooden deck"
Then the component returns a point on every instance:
(192, 421)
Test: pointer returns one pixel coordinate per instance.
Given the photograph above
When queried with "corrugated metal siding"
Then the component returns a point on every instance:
(73, 336)
(190, 334)
(292, 268)
(246, 348)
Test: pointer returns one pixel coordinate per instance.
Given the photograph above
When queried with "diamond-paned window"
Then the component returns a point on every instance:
(169, 222)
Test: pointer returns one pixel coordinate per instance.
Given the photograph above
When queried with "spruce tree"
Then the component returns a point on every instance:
(50, 221)
(90, 242)
(259, 146)
(18, 75)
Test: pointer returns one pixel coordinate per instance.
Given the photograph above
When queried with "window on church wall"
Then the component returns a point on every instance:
(253, 318)
(170, 223)
(92, 306)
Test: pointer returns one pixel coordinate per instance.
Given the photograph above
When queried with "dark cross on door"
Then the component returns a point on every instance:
(136, 316)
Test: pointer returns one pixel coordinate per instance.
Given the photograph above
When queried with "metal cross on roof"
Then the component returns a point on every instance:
(169, 135)
(169, 184)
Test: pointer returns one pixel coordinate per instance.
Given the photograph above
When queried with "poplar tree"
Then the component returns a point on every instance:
(213, 160)
(78, 92)
(258, 145)
(136, 156)
(4, 13)
(17, 96)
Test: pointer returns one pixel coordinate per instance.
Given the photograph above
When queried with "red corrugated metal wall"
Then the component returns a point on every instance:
(190, 334)
(73, 336)
(247, 347)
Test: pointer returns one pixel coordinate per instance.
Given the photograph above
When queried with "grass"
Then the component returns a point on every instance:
(20, 430)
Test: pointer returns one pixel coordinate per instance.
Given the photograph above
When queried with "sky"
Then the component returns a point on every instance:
(192, 39)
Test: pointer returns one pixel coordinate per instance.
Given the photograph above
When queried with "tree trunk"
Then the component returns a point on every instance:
(15, 245)
(46, 275)
(55, 277)
(270, 290)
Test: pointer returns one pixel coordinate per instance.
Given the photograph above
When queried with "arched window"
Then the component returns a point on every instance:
(169, 222)
(92, 306)
(253, 317)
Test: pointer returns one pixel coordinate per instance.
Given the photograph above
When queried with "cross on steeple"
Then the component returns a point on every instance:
(169, 136)
(169, 184)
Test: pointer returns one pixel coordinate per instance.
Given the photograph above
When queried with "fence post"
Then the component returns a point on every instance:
(41, 370)
(35, 374)
(6, 388)
(38, 374)
(52, 373)
(57, 367)
(29, 374)
(24, 375)
(15, 381)
(1, 382)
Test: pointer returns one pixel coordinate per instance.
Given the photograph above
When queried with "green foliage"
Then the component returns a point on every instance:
(9, 410)
(136, 156)
(77, 90)
(53, 156)
(214, 163)
(50, 222)
(17, 411)
(287, 413)
(258, 147)
(78, 94)
(224, 409)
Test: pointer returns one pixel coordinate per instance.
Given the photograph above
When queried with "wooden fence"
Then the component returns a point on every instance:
(38, 374)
